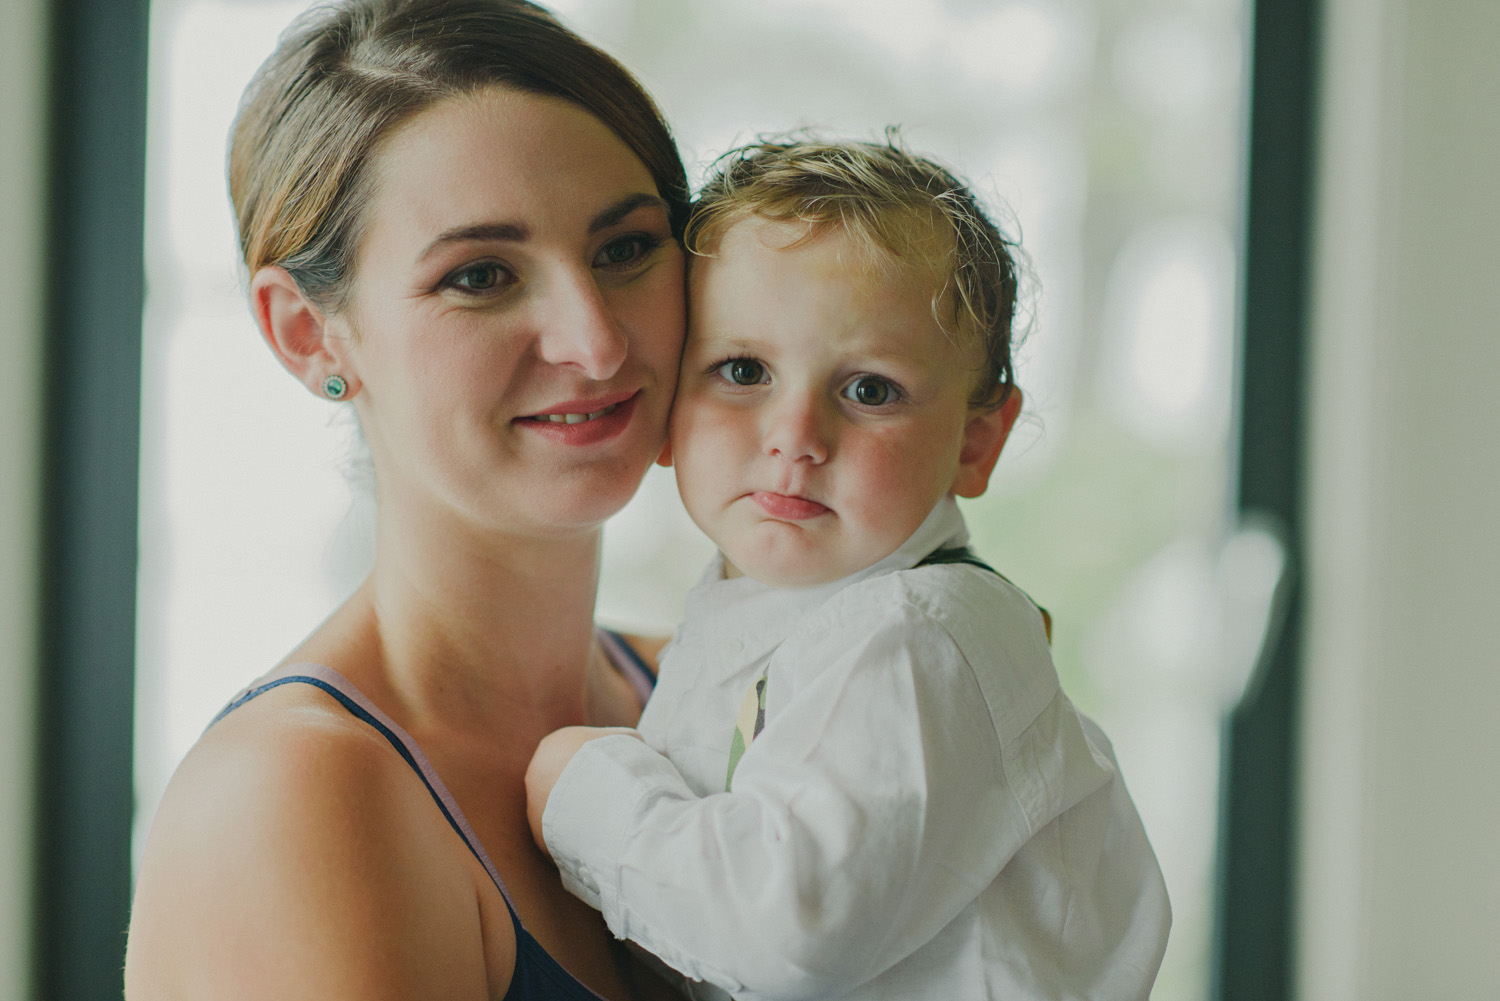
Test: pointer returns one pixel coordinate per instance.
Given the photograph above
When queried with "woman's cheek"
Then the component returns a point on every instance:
(663, 311)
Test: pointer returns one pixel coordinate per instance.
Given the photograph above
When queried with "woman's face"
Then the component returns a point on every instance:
(516, 318)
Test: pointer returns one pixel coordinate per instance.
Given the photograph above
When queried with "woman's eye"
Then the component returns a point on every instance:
(871, 391)
(742, 371)
(623, 253)
(477, 277)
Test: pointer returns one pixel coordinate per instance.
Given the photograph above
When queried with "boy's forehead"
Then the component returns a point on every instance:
(854, 258)
(896, 305)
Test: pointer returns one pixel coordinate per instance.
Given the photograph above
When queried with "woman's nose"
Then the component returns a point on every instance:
(796, 430)
(578, 328)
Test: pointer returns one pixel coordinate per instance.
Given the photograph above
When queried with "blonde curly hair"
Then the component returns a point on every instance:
(901, 208)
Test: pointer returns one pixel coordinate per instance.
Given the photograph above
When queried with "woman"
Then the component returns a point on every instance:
(461, 220)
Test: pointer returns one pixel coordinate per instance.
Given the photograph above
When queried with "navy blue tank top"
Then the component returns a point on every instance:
(537, 976)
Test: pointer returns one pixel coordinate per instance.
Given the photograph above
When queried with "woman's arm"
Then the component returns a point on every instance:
(301, 860)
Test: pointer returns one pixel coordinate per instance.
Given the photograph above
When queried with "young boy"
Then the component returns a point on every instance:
(857, 776)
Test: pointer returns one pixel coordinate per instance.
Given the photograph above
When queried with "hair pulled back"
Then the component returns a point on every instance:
(347, 75)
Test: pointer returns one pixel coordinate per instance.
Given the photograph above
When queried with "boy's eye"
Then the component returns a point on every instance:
(742, 371)
(870, 391)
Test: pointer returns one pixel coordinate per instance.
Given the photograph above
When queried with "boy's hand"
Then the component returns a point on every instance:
(547, 763)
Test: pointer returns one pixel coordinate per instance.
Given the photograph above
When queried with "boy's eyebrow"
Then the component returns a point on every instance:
(517, 232)
(725, 343)
(732, 340)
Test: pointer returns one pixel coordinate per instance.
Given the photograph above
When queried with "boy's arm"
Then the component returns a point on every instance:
(547, 763)
(871, 811)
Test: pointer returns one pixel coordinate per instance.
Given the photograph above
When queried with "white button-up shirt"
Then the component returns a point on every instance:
(924, 815)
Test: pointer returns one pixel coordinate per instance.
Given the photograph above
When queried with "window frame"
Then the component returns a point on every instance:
(95, 221)
(1254, 951)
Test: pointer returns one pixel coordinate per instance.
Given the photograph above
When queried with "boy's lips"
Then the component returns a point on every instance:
(787, 507)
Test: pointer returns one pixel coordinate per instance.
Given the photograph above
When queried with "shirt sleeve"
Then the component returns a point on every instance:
(873, 808)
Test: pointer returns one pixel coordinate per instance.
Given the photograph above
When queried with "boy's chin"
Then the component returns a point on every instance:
(782, 574)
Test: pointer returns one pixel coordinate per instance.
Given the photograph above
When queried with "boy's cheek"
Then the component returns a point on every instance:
(707, 450)
(701, 427)
(680, 421)
(693, 414)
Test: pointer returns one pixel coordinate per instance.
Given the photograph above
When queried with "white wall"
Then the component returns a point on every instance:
(22, 24)
(1400, 876)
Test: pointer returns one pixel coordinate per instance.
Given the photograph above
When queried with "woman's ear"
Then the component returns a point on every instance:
(984, 437)
(298, 332)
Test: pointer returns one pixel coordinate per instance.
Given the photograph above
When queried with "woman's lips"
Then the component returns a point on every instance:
(583, 422)
(786, 507)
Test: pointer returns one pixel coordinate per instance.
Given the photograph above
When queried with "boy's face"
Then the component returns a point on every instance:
(821, 411)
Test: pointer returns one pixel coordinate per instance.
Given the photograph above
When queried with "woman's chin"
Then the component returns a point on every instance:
(590, 497)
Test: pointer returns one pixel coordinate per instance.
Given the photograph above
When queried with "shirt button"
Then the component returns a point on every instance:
(586, 880)
(736, 646)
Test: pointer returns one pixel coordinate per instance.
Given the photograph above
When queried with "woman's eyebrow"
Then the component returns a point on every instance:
(508, 232)
(622, 208)
(515, 232)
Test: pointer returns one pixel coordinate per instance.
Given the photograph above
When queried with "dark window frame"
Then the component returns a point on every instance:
(1253, 943)
(95, 274)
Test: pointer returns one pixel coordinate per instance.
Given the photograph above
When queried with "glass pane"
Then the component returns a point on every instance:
(1106, 132)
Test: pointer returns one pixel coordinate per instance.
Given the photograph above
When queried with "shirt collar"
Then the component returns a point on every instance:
(753, 618)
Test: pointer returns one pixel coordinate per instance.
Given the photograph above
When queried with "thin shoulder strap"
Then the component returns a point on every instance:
(965, 555)
(361, 708)
(629, 663)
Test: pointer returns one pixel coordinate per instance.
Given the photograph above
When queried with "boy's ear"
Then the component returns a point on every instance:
(665, 458)
(984, 437)
(298, 332)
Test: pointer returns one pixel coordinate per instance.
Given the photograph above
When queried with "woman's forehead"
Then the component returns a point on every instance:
(502, 156)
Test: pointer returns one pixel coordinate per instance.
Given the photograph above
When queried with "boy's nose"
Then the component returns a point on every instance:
(795, 430)
(576, 327)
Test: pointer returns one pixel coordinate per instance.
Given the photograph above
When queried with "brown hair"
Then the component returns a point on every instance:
(346, 75)
(896, 204)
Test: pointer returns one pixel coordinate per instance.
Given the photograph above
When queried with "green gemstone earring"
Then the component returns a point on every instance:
(335, 387)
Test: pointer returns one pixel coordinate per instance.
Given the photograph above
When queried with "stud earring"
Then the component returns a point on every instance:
(335, 387)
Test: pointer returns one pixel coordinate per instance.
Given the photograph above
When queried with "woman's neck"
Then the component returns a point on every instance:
(465, 630)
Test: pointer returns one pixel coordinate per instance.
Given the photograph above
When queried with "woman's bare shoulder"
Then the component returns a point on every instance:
(294, 855)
